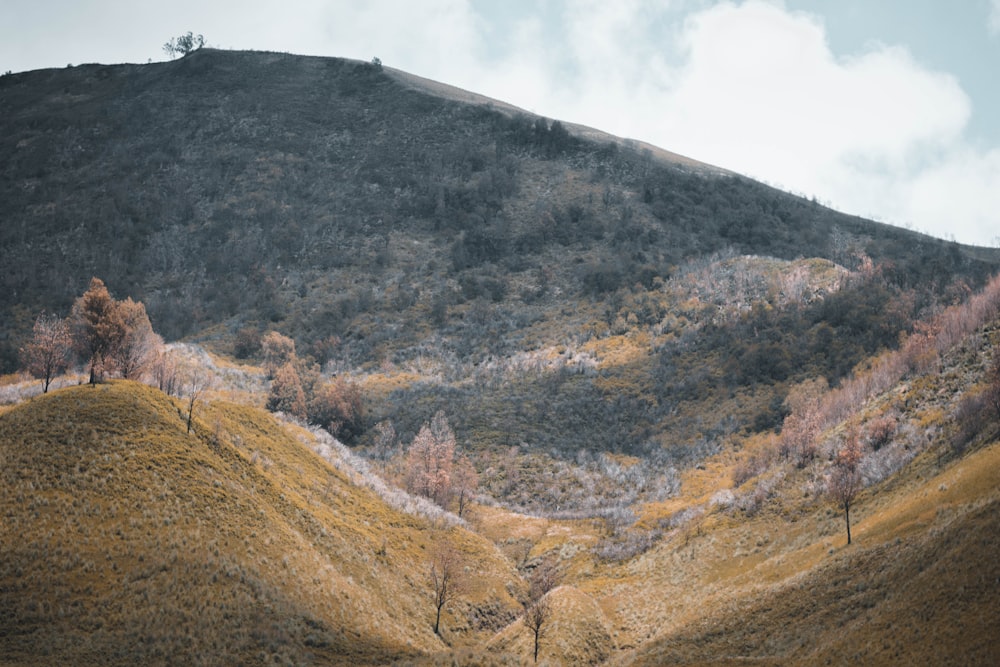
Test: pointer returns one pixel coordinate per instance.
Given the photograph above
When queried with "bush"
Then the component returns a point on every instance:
(337, 406)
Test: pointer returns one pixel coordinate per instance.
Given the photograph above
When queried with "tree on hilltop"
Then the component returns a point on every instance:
(48, 353)
(537, 606)
(135, 351)
(114, 336)
(98, 327)
(183, 45)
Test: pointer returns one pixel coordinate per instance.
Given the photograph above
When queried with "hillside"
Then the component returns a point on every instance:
(537, 280)
(128, 541)
(658, 373)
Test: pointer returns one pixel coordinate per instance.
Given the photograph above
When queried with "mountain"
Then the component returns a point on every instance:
(658, 368)
(541, 279)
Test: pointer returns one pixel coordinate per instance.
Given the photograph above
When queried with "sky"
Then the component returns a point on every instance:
(887, 109)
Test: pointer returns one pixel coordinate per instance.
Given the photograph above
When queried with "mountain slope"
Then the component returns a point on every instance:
(126, 540)
(329, 197)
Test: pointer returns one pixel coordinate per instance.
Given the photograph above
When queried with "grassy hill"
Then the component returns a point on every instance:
(126, 540)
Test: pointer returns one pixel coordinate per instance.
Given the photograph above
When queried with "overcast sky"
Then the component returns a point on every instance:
(884, 108)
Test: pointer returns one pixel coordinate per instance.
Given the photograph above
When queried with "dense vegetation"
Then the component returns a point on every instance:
(546, 290)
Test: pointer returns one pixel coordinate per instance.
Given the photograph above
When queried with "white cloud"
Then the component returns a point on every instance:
(994, 20)
(755, 88)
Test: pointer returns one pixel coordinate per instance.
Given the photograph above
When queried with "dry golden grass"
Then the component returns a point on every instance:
(576, 633)
(127, 541)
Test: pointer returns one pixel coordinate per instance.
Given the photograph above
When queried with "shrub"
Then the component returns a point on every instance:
(337, 406)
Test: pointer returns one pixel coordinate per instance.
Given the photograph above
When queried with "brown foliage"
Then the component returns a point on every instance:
(277, 350)
(48, 353)
(286, 393)
(337, 406)
(247, 344)
(98, 327)
(135, 350)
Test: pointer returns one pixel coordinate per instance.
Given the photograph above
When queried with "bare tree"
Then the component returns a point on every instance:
(464, 481)
(165, 371)
(136, 349)
(537, 606)
(845, 480)
(446, 578)
(48, 353)
(195, 380)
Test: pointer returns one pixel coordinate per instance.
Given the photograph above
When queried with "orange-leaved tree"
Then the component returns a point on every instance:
(98, 327)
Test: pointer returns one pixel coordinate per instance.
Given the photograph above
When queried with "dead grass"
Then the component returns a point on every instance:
(127, 541)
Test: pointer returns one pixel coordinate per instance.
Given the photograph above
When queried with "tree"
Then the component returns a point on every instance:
(446, 578)
(194, 381)
(136, 349)
(278, 350)
(165, 372)
(429, 460)
(48, 353)
(98, 327)
(537, 606)
(464, 481)
(845, 480)
(183, 45)
(337, 407)
(286, 393)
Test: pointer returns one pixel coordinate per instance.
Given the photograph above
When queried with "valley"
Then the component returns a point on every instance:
(419, 367)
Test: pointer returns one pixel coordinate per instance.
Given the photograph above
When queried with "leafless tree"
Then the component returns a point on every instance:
(537, 606)
(845, 479)
(48, 353)
(464, 481)
(195, 380)
(446, 578)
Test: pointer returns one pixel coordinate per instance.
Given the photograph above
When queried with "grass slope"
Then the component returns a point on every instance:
(920, 585)
(127, 541)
